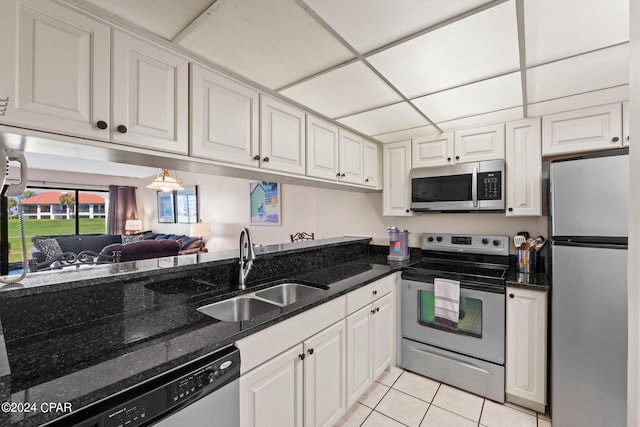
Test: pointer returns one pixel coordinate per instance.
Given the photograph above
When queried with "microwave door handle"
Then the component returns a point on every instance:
(474, 187)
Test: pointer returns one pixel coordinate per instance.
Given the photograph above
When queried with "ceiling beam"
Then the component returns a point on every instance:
(523, 55)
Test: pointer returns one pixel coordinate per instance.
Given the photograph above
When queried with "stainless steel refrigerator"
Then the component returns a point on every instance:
(588, 208)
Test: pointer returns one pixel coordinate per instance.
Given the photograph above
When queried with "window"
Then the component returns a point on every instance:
(51, 212)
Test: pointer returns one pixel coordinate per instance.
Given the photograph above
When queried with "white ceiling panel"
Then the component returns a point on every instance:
(495, 117)
(370, 24)
(584, 73)
(408, 134)
(273, 43)
(165, 18)
(555, 29)
(386, 119)
(494, 94)
(346, 90)
(477, 47)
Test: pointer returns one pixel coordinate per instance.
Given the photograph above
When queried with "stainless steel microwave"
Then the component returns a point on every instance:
(464, 187)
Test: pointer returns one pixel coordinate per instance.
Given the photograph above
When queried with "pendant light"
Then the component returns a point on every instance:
(164, 182)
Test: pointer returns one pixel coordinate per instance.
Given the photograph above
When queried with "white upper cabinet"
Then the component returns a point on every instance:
(523, 168)
(371, 159)
(484, 143)
(432, 151)
(55, 69)
(350, 159)
(595, 128)
(282, 136)
(224, 118)
(396, 188)
(150, 96)
(322, 149)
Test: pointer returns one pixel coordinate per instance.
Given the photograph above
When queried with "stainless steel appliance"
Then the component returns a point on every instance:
(463, 187)
(204, 392)
(588, 206)
(470, 356)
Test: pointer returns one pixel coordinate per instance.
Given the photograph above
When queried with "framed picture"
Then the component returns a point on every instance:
(187, 205)
(265, 203)
(166, 208)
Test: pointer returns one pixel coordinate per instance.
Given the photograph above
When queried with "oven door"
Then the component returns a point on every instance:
(480, 331)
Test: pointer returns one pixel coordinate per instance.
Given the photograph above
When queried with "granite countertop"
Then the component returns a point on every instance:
(154, 326)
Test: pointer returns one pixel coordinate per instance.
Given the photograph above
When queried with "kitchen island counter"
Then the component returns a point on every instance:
(75, 344)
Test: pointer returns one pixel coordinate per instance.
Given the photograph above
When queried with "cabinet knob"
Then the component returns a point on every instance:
(377, 309)
(448, 159)
(101, 124)
(266, 160)
(256, 157)
(373, 311)
(407, 210)
(457, 157)
(510, 209)
(512, 296)
(310, 351)
(615, 139)
(338, 175)
(366, 180)
(301, 356)
(342, 175)
(122, 129)
(627, 137)
(375, 292)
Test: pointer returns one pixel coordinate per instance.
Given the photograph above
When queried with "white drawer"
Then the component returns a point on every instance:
(369, 293)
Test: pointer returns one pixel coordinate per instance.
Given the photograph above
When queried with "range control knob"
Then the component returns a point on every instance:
(439, 238)
(430, 239)
(496, 242)
(485, 241)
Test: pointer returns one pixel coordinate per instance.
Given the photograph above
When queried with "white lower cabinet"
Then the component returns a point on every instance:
(370, 342)
(526, 361)
(306, 382)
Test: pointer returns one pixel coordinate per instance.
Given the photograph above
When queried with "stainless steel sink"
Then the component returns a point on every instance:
(237, 309)
(288, 293)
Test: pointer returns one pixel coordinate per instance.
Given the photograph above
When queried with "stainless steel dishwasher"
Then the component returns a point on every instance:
(203, 392)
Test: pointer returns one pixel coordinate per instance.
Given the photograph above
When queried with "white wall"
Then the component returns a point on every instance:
(224, 203)
(633, 269)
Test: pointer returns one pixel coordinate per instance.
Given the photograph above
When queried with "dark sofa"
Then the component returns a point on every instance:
(44, 249)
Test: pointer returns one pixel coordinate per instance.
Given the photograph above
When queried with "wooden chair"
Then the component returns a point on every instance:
(302, 236)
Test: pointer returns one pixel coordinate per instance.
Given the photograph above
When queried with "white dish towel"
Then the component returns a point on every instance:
(447, 302)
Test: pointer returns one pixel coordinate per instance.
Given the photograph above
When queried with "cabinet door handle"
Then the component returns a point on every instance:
(375, 292)
(366, 180)
(266, 160)
(342, 175)
(310, 351)
(377, 309)
(301, 356)
(448, 159)
(101, 124)
(373, 311)
(615, 139)
(457, 157)
(338, 175)
(256, 157)
(122, 129)
(512, 296)
(510, 209)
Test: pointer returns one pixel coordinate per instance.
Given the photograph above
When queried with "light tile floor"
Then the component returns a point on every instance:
(401, 398)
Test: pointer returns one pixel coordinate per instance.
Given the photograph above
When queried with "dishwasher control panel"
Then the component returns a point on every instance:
(166, 393)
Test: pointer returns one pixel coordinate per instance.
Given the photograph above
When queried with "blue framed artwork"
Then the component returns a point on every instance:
(166, 207)
(187, 205)
(265, 203)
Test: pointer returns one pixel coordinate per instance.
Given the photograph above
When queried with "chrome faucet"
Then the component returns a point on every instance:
(247, 255)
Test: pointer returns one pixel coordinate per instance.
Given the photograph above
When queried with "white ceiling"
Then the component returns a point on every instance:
(392, 69)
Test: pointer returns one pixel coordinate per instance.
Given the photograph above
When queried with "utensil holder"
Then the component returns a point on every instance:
(527, 261)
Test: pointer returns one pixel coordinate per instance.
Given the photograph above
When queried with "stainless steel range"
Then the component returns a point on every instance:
(470, 353)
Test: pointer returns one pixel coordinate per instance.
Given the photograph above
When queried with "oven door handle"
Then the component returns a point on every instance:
(449, 358)
(474, 187)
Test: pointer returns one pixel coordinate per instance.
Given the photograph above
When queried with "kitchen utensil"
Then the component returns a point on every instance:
(523, 233)
(518, 240)
(525, 246)
(538, 243)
